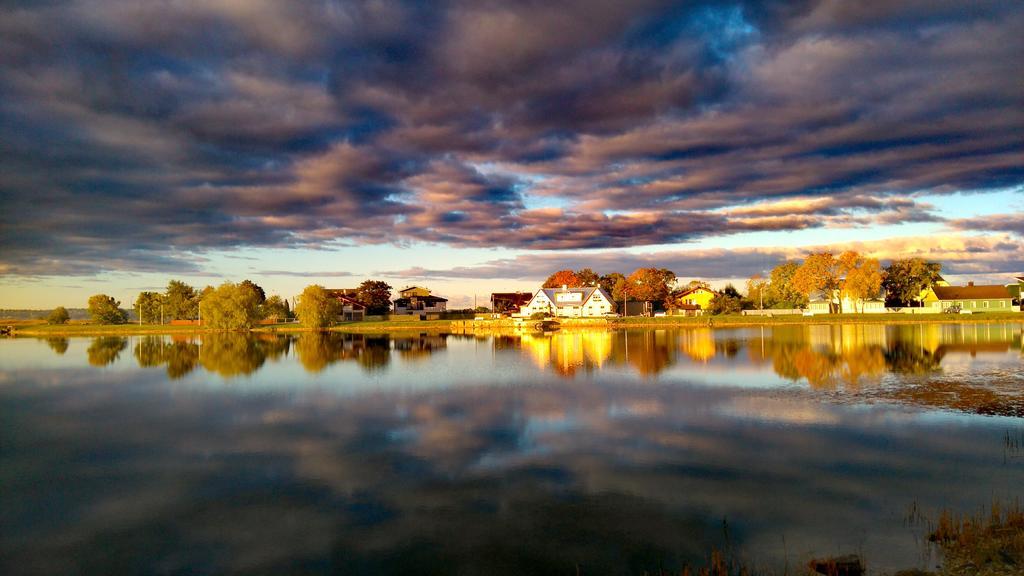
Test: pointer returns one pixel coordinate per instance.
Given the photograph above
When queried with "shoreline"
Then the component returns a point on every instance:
(463, 326)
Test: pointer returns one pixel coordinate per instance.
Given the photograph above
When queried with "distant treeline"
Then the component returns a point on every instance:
(14, 314)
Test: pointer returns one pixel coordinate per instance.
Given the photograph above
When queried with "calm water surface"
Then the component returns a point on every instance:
(604, 452)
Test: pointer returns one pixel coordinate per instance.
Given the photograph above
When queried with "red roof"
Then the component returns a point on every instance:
(344, 295)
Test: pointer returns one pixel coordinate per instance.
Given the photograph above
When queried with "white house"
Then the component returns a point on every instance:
(823, 305)
(570, 302)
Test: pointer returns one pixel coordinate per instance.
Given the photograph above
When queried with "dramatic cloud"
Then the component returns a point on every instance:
(1013, 223)
(997, 255)
(145, 135)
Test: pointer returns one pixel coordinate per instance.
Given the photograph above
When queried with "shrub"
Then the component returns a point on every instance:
(58, 316)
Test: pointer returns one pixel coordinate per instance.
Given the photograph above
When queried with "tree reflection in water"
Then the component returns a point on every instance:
(106, 350)
(180, 355)
(58, 344)
(318, 350)
(232, 354)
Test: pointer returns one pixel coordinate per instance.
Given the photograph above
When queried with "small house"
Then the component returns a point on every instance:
(691, 301)
(509, 302)
(352, 310)
(418, 300)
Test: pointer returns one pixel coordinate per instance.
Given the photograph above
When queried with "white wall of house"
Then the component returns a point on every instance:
(597, 305)
(539, 303)
(569, 305)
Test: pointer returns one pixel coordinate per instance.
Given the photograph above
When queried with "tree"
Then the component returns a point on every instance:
(863, 277)
(820, 272)
(728, 301)
(231, 307)
(105, 310)
(608, 282)
(756, 287)
(261, 296)
(375, 295)
(780, 292)
(148, 304)
(58, 316)
(563, 278)
(588, 277)
(650, 284)
(316, 309)
(907, 278)
(181, 301)
(275, 307)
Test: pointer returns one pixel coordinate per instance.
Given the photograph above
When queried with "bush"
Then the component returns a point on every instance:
(58, 316)
(725, 304)
(538, 315)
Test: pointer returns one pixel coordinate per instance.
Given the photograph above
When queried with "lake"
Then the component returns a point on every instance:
(591, 452)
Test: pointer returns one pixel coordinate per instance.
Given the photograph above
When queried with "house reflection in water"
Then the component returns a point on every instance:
(566, 352)
(824, 356)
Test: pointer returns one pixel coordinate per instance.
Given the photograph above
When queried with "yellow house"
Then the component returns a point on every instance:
(696, 298)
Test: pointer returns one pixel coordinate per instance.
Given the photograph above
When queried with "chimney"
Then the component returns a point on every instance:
(970, 283)
(565, 287)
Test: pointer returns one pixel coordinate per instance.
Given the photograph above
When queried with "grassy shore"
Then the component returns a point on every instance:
(38, 328)
(739, 320)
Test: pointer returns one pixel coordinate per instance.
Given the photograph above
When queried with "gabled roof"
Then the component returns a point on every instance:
(692, 290)
(586, 293)
(990, 292)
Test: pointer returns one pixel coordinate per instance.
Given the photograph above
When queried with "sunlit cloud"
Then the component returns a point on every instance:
(146, 136)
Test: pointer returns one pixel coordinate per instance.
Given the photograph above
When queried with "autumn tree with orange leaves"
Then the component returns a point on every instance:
(650, 284)
(820, 272)
(862, 277)
(563, 278)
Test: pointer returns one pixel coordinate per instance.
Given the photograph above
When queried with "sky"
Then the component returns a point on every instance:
(478, 146)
